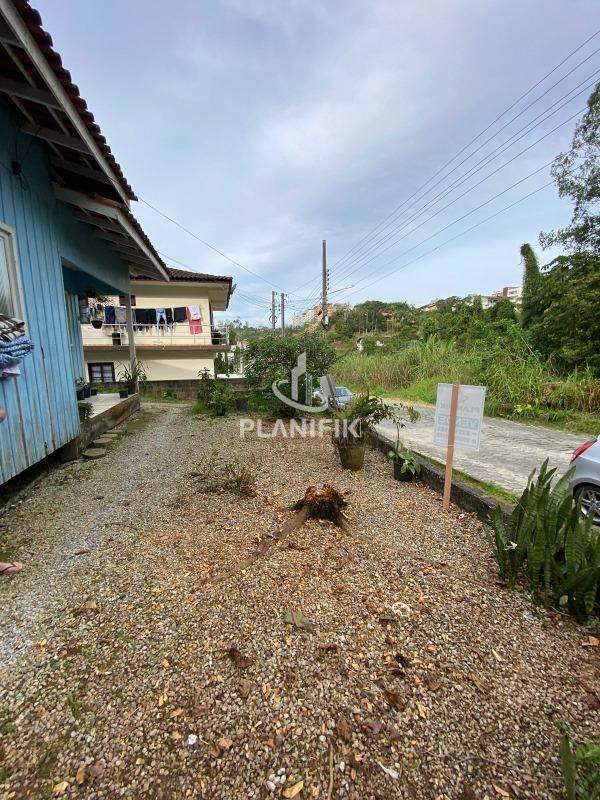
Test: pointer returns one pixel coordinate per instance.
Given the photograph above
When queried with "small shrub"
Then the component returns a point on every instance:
(214, 397)
(548, 541)
(580, 770)
(85, 411)
(237, 475)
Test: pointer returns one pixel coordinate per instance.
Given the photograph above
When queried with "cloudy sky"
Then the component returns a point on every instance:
(265, 126)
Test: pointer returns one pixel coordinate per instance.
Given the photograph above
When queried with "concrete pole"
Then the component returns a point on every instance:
(130, 335)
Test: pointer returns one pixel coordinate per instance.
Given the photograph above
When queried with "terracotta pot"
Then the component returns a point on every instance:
(352, 453)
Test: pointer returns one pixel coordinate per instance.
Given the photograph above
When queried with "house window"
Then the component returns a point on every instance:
(102, 373)
(11, 302)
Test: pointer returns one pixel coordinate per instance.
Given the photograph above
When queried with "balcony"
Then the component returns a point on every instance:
(213, 338)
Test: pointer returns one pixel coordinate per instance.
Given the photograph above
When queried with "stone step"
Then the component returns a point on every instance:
(104, 440)
(94, 452)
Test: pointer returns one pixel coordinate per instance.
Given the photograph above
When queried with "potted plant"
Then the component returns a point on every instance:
(132, 375)
(80, 388)
(87, 391)
(401, 415)
(93, 389)
(85, 411)
(352, 425)
(406, 465)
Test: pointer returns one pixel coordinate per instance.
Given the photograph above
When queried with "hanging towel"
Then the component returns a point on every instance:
(179, 314)
(109, 315)
(120, 315)
(194, 322)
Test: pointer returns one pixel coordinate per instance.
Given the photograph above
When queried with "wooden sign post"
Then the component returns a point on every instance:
(450, 447)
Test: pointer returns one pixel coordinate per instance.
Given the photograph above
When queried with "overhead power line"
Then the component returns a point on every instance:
(453, 238)
(346, 274)
(208, 244)
(477, 167)
(532, 88)
(477, 136)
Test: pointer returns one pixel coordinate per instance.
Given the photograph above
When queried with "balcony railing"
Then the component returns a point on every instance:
(156, 335)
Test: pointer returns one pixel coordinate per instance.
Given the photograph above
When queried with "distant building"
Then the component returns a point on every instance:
(313, 316)
(512, 293)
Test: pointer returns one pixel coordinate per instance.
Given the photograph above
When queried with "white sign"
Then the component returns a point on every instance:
(469, 416)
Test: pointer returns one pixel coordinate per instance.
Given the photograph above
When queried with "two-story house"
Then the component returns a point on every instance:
(174, 329)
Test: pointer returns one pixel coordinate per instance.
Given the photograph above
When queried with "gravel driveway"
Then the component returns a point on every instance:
(116, 680)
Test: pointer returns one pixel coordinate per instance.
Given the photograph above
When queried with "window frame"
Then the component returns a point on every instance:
(9, 237)
(101, 364)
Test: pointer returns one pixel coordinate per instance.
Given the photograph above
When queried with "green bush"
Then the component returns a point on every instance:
(580, 769)
(548, 541)
(214, 397)
(271, 357)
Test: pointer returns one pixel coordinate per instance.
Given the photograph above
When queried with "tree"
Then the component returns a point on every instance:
(568, 328)
(531, 286)
(577, 175)
(271, 357)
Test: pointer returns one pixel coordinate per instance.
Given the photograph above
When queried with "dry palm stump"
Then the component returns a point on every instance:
(325, 503)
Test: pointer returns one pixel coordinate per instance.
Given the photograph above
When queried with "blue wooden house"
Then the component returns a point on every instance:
(66, 232)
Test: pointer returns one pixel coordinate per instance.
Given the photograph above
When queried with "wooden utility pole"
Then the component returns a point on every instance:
(273, 310)
(282, 314)
(450, 448)
(324, 292)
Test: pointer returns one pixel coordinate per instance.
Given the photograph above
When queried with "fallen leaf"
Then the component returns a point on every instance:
(343, 729)
(298, 620)
(373, 726)
(224, 743)
(592, 641)
(479, 683)
(422, 712)
(292, 791)
(433, 684)
(245, 687)
(395, 700)
(499, 790)
(95, 770)
(240, 661)
(89, 606)
(60, 788)
(328, 647)
(80, 776)
(394, 774)
(177, 712)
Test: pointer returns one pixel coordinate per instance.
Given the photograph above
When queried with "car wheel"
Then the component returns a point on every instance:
(589, 497)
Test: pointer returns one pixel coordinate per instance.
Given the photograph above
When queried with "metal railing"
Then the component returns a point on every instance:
(178, 334)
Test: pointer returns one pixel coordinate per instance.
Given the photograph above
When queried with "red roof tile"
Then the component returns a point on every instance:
(31, 17)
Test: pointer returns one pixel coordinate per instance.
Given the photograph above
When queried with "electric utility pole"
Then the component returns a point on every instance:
(273, 310)
(325, 282)
(282, 314)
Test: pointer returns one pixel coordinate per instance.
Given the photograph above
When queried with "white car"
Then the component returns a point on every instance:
(343, 397)
(586, 480)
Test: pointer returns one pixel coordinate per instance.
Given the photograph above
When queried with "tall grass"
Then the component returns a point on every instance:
(517, 378)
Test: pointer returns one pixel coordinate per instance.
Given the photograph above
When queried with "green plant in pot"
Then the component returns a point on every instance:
(405, 464)
(85, 411)
(132, 375)
(80, 388)
(352, 424)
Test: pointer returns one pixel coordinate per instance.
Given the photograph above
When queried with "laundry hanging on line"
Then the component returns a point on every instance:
(14, 346)
(194, 318)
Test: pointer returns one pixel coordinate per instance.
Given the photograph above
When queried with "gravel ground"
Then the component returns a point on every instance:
(116, 679)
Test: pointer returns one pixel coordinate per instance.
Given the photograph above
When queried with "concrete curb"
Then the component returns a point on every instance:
(468, 497)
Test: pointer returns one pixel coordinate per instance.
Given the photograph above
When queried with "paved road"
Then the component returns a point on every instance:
(509, 450)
